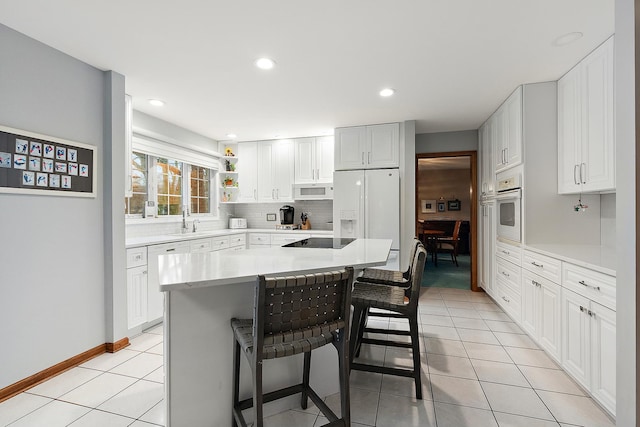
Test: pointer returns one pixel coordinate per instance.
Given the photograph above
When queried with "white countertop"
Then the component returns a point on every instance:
(197, 270)
(167, 238)
(594, 257)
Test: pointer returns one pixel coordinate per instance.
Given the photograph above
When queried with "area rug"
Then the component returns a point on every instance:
(446, 274)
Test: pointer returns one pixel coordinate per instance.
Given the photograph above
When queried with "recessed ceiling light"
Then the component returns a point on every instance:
(232, 135)
(567, 38)
(265, 63)
(387, 92)
(156, 103)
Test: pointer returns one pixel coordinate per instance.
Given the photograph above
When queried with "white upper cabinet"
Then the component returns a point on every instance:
(313, 160)
(275, 170)
(507, 135)
(487, 166)
(247, 167)
(367, 147)
(586, 143)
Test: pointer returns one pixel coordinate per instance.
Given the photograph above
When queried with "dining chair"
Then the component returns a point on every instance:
(449, 244)
(294, 315)
(366, 296)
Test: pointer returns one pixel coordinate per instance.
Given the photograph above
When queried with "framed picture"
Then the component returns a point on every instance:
(453, 205)
(428, 206)
(441, 206)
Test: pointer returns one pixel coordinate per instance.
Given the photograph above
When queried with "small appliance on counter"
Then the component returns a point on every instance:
(287, 226)
(286, 214)
(237, 223)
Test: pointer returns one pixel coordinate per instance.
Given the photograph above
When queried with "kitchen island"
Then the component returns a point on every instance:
(203, 291)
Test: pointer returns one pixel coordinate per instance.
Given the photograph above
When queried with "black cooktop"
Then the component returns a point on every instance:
(320, 242)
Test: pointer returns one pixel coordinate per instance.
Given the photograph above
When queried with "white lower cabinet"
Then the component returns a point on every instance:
(541, 312)
(508, 293)
(136, 286)
(589, 346)
(155, 298)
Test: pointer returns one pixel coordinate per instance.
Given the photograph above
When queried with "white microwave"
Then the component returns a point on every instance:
(317, 191)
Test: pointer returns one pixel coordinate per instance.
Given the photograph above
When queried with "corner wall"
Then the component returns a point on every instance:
(51, 256)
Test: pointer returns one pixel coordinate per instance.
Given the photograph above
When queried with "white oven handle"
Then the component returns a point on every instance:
(511, 194)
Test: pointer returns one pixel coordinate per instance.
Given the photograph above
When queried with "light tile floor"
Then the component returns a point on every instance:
(479, 369)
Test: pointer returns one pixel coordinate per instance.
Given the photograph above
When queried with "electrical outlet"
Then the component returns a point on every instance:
(271, 217)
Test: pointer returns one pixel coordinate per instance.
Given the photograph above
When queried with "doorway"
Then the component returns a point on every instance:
(446, 199)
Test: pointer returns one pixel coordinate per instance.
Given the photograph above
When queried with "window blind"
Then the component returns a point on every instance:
(156, 147)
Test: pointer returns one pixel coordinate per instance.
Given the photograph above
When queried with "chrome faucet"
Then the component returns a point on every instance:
(195, 226)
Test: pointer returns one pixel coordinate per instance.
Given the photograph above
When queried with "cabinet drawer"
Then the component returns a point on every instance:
(237, 240)
(508, 300)
(136, 257)
(509, 252)
(543, 265)
(218, 243)
(509, 273)
(169, 248)
(283, 239)
(259, 239)
(594, 285)
(200, 245)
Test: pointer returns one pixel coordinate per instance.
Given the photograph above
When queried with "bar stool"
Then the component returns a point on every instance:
(294, 315)
(392, 298)
(391, 277)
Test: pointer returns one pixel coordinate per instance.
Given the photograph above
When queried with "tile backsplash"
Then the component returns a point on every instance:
(320, 213)
(155, 227)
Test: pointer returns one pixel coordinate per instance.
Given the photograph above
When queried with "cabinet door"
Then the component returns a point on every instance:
(575, 337)
(569, 132)
(530, 304)
(513, 127)
(305, 160)
(487, 167)
(155, 298)
(349, 149)
(282, 164)
(488, 247)
(598, 148)
(136, 296)
(266, 187)
(247, 168)
(549, 331)
(603, 355)
(383, 146)
(324, 159)
(499, 138)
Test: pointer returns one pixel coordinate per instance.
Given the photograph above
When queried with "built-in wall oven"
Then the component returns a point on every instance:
(509, 213)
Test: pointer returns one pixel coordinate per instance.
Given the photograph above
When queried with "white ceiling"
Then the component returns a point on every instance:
(451, 61)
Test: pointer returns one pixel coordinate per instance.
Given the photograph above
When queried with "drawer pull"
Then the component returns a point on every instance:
(170, 250)
(504, 273)
(591, 313)
(533, 282)
(144, 272)
(504, 252)
(596, 288)
(507, 300)
(535, 264)
(582, 308)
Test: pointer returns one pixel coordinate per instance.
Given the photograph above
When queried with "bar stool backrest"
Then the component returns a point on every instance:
(414, 247)
(416, 274)
(290, 308)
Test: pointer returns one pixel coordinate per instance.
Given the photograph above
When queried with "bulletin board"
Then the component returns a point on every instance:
(38, 164)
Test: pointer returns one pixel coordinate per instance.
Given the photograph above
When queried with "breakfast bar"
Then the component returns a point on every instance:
(203, 291)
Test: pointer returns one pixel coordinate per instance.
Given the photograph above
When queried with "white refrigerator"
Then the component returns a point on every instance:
(366, 204)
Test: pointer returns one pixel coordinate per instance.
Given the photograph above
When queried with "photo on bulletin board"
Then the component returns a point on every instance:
(32, 163)
(441, 206)
(428, 206)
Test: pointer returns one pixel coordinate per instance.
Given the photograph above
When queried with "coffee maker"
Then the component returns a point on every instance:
(286, 215)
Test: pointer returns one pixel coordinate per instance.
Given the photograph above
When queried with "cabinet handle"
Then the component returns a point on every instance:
(255, 195)
(144, 272)
(535, 283)
(591, 313)
(582, 309)
(363, 157)
(170, 250)
(583, 178)
(504, 252)
(369, 157)
(596, 288)
(575, 178)
(506, 156)
(272, 193)
(507, 300)
(504, 273)
(535, 264)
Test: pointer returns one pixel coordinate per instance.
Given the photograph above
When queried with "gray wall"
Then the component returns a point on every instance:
(465, 140)
(626, 214)
(52, 252)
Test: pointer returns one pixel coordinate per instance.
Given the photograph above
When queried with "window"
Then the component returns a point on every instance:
(172, 184)
(168, 186)
(134, 205)
(199, 185)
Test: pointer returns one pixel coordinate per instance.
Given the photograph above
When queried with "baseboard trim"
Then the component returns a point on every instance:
(35, 379)
(113, 347)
